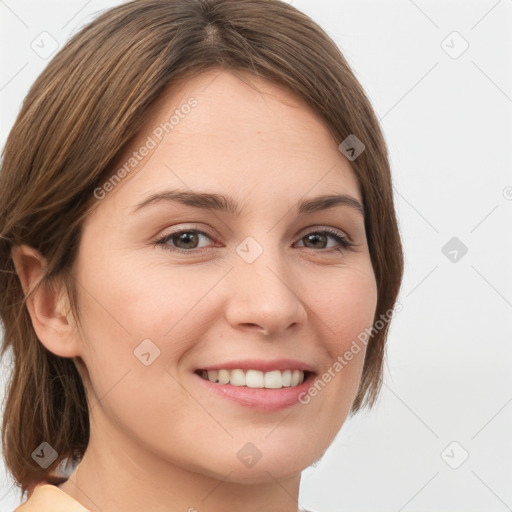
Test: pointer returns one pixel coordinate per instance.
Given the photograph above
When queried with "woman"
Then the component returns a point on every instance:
(200, 260)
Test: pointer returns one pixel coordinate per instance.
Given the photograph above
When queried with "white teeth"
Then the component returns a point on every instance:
(275, 379)
(237, 378)
(254, 379)
(224, 376)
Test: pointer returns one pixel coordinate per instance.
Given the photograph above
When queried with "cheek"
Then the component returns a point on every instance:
(347, 305)
(345, 311)
(136, 329)
(136, 313)
(134, 298)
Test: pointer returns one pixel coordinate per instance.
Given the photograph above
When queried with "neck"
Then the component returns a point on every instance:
(123, 476)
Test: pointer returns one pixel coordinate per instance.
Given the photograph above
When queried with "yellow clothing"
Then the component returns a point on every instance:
(47, 497)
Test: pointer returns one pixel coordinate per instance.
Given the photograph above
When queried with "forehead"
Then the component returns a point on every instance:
(235, 133)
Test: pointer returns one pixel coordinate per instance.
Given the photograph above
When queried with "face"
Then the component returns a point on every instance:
(171, 288)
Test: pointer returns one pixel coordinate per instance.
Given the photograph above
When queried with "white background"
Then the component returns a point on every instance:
(447, 124)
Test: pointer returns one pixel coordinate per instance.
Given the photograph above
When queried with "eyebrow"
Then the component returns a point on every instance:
(220, 202)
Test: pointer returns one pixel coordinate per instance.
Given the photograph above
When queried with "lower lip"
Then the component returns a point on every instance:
(261, 399)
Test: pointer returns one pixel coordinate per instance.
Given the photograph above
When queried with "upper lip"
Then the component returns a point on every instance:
(261, 365)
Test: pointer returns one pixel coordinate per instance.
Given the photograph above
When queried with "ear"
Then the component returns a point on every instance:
(48, 306)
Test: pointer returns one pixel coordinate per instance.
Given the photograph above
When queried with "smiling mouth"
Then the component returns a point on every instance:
(275, 379)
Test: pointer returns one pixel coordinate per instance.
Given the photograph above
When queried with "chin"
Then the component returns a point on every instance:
(262, 472)
(255, 463)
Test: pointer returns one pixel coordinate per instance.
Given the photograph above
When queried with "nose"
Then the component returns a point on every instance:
(264, 295)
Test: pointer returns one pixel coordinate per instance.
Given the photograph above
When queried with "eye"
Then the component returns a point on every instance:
(319, 237)
(184, 240)
(187, 240)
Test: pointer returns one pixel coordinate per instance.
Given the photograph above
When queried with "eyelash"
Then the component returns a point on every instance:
(344, 242)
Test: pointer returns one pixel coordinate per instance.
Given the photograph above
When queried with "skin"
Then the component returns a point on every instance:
(153, 446)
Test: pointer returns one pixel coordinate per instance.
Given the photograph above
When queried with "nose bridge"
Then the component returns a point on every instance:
(262, 292)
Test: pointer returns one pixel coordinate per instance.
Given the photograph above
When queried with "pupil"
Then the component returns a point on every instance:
(186, 238)
(315, 237)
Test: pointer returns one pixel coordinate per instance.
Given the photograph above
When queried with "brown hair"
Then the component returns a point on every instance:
(81, 112)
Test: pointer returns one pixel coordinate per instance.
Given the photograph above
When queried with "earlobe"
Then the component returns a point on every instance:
(48, 304)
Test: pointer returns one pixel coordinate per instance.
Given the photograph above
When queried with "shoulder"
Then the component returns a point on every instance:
(47, 497)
